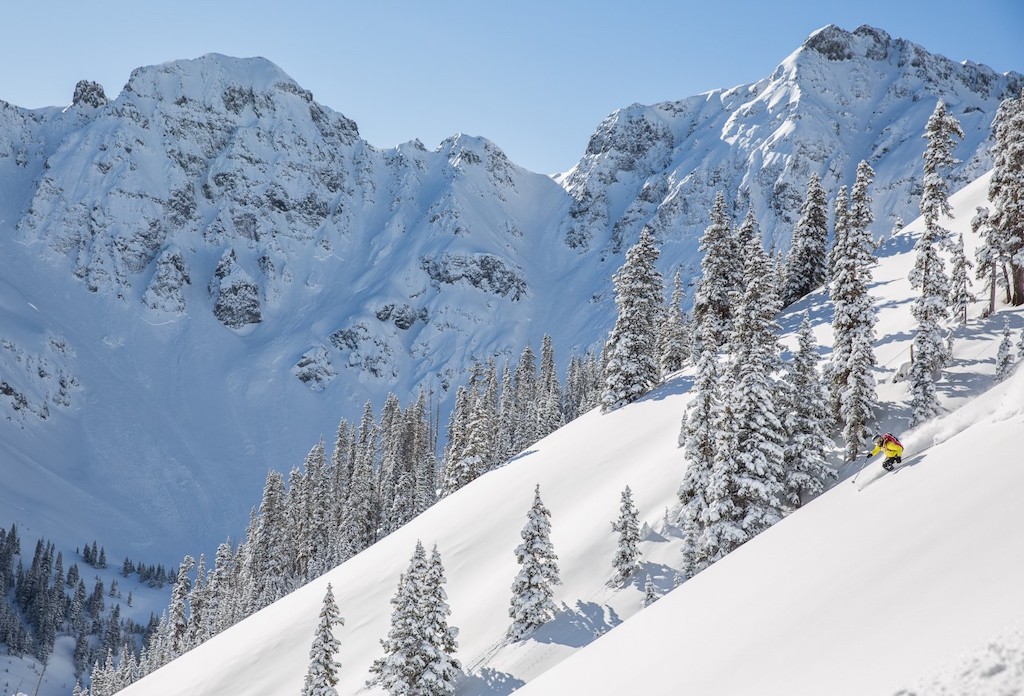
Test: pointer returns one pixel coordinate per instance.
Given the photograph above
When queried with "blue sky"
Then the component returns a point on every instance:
(534, 76)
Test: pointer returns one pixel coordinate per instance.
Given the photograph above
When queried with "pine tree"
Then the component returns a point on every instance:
(711, 301)
(722, 520)
(1006, 193)
(442, 667)
(674, 346)
(467, 454)
(650, 592)
(420, 646)
(488, 412)
(806, 266)
(758, 451)
(850, 368)
(698, 439)
(505, 436)
(550, 417)
(625, 560)
(268, 571)
(1004, 358)
(990, 257)
(322, 675)
(805, 423)
(929, 275)
(177, 626)
(631, 366)
(960, 295)
(403, 663)
(221, 591)
(524, 413)
(197, 604)
(533, 588)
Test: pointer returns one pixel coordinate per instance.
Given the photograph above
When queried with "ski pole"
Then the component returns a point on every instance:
(863, 462)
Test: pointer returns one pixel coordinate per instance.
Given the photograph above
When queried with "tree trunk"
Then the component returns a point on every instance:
(1017, 275)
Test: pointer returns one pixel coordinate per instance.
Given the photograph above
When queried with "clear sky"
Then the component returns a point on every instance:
(534, 76)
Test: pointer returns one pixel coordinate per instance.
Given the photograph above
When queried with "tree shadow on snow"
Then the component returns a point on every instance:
(673, 387)
(578, 627)
(898, 244)
(663, 578)
(490, 681)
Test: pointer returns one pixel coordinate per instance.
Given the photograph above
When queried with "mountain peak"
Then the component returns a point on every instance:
(89, 93)
(837, 44)
(204, 79)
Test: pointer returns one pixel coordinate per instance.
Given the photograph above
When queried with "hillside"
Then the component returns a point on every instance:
(204, 273)
(861, 591)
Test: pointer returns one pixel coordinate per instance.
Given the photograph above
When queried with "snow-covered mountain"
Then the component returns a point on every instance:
(203, 274)
(907, 585)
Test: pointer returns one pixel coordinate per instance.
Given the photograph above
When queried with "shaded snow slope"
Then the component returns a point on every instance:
(860, 592)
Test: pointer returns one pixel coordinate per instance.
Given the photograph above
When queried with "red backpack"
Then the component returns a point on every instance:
(889, 437)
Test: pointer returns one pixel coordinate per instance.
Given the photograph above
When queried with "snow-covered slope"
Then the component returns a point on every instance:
(861, 591)
(203, 274)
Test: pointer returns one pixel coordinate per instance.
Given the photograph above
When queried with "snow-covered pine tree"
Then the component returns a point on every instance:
(851, 368)
(840, 231)
(128, 670)
(631, 361)
(391, 468)
(549, 392)
(960, 295)
(806, 423)
(426, 482)
(443, 667)
(806, 266)
(524, 414)
(650, 592)
(1004, 357)
(177, 625)
(628, 528)
(322, 675)
(723, 528)
(198, 605)
(929, 274)
(674, 347)
(222, 589)
(362, 506)
(1006, 192)
(458, 420)
(408, 642)
(489, 408)
(358, 528)
(341, 465)
(533, 589)
(754, 396)
(467, 455)
(989, 256)
(697, 436)
(711, 301)
(270, 552)
(504, 436)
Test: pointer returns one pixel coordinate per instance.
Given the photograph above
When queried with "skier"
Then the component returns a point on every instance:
(892, 448)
